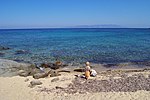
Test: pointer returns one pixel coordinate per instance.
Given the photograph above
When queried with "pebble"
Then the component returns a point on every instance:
(26, 80)
(35, 82)
(125, 84)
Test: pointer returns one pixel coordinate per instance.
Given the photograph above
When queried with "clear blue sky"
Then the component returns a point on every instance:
(62, 13)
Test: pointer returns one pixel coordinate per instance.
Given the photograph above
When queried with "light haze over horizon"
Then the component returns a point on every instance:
(74, 13)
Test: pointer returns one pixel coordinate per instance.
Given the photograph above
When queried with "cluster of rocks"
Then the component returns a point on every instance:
(126, 84)
(44, 70)
(22, 52)
(2, 54)
(2, 48)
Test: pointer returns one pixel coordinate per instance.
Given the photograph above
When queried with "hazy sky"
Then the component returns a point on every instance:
(62, 13)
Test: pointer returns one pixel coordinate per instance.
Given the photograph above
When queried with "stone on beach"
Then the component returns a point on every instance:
(40, 75)
(128, 84)
(35, 82)
(54, 73)
(11, 68)
(79, 70)
(55, 79)
(23, 73)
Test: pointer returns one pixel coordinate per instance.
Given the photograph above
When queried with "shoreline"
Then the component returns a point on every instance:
(67, 86)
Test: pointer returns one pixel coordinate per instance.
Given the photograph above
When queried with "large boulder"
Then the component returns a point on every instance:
(23, 73)
(10, 68)
(51, 73)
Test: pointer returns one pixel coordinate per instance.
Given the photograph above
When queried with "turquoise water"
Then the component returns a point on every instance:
(77, 45)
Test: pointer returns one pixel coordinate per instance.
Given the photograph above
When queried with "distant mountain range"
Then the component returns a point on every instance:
(99, 26)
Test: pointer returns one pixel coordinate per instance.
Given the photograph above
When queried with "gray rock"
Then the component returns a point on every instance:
(9, 64)
(26, 80)
(4, 48)
(40, 75)
(23, 73)
(2, 54)
(54, 66)
(35, 82)
(79, 70)
(54, 73)
(22, 52)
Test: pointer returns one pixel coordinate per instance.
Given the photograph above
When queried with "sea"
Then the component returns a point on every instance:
(76, 45)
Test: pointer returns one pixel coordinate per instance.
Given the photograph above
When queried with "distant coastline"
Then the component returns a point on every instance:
(100, 26)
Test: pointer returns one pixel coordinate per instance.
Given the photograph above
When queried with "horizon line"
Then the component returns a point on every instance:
(77, 28)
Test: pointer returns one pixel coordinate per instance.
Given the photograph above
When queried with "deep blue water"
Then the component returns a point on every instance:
(77, 45)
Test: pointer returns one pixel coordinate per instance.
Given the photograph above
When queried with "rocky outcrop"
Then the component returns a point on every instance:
(9, 67)
(51, 73)
(25, 70)
(40, 75)
(22, 52)
(23, 73)
(2, 54)
(4, 48)
(54, 66)
(79, 70)
(4, 63)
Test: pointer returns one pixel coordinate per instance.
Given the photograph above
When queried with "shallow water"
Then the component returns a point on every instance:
(77, 45)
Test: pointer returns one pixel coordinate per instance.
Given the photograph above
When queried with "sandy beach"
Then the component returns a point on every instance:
(69, 87)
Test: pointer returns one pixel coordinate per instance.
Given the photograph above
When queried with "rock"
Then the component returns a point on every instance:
(32, 70)
(58, 63)
(46, 65)
(23, 73)
(55, 79)
(79, 70)
(40, 75)
(28, 71)
(35, 82)
(18, 60)
(2, 54)
(26, 80)
(22, 52)
(54, 73)
(43, 74)
(54, 66)
(58, 87)
(9, 63)
(67, 71)
(4, 48)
